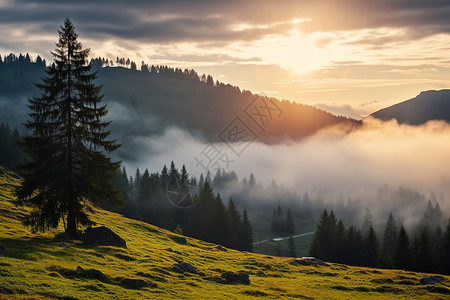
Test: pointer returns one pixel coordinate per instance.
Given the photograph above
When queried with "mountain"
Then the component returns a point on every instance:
(143, 103)
(44, 266)
(428, 105)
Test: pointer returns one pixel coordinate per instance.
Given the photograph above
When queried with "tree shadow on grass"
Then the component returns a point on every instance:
(31, 247)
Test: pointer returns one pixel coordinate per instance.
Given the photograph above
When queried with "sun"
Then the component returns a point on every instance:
(295, 52)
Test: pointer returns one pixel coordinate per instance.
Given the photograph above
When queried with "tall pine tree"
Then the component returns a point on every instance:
(68, 141)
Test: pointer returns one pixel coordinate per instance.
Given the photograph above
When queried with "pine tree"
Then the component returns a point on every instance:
(66, 147)
(278, 224)
(289, 225)
(367, 221)
(291, 247)
(173, 173)
(389, 243)
(247, 230)
(425, 253)
(371, 248)
(164, 178)
(402, 254)
(339, 243)
(236, 223)
(324, 237)
(251, 181)
(184, 180)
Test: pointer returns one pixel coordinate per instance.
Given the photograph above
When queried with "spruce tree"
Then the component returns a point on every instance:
(323, 244)
(402, 254)
(389, 243)
(164, 178)
(371, 248)
(291, 247)
(247, 230)
(289, 224)
(67, 143)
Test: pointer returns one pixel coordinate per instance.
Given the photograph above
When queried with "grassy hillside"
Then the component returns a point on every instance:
(37, 268)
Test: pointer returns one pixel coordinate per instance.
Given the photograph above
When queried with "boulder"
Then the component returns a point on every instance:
(185, 267)
(3, 251)
(135, 283)
(173, 251)
(236, 277)
(308, 261)
(102, 236)
(431, 279)
(63, 245)
(92, 273)
(179, 239)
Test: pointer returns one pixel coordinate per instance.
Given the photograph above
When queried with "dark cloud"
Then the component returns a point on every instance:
(208, 21)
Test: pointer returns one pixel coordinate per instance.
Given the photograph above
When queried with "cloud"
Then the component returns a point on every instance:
(340, 110)
(169, 21)
(339, 162)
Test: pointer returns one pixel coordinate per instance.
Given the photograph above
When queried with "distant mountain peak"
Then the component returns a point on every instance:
(428, 105)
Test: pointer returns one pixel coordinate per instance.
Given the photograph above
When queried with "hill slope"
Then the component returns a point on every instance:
(37, 268)
(428, 105)
(144, 103)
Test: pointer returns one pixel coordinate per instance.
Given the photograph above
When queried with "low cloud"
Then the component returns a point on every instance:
(334, 162)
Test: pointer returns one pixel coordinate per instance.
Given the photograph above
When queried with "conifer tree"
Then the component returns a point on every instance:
(389, 243)
(247, 230)
(236, 223)
(339, 245)
(164, 177)
(371, 248)
(324, 238)
(402, 254)
(66, 148)
(291, 247)
(289, 226)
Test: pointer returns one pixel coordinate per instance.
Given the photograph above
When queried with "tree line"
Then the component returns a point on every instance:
(157, 198)
(165, 70)
(12, 58)
(427, 251)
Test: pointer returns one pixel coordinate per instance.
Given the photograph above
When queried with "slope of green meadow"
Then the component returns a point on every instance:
(37, 268)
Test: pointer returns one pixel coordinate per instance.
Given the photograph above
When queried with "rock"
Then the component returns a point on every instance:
(185, 267)
(135, 283)
(308, 261)
(173, 251)
(179, 239)
(93, 273)
(431, 279)
(63, 245)
(236, 277)
(3, 251)
(220, 248)
(102, 236)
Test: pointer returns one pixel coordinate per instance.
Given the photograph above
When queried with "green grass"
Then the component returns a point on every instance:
(38, 269)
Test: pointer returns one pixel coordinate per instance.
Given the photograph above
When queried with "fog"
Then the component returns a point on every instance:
(336, 163)
(333, 160)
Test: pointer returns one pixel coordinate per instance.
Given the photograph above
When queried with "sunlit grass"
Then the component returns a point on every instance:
(38, 269)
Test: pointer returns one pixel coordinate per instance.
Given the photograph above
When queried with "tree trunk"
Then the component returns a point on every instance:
(71, 224)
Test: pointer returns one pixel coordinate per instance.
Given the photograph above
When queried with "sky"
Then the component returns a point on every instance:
(350, 57)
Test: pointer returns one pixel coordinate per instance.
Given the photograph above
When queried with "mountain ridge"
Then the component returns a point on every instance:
(170, 98)
(428, 105)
